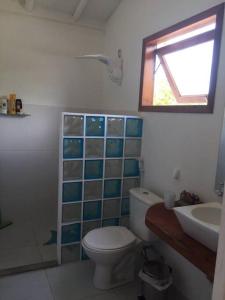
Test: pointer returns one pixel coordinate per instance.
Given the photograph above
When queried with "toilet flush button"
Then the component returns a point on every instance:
(176, 174)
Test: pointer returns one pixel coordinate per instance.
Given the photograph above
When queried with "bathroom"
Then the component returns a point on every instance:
(40, 43)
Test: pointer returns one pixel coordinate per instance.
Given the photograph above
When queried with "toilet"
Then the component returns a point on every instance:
(113, 248)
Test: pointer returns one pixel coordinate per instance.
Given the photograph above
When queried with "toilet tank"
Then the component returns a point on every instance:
(140, 201)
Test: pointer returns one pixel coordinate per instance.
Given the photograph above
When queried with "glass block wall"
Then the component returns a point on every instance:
(98, 164)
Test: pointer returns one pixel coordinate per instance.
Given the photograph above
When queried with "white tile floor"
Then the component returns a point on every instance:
(67, 282)
(22, 243)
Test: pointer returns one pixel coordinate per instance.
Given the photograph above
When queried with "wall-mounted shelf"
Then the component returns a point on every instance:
(15, 116)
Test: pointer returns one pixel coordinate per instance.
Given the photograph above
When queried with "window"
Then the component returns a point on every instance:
(179, 65)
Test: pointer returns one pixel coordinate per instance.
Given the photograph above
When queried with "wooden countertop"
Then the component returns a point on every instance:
(164, 223)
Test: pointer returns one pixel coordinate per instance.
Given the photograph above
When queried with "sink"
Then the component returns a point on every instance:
(201, 222)
(210, 215)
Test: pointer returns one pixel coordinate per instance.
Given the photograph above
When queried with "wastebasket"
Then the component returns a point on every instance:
(156, 278)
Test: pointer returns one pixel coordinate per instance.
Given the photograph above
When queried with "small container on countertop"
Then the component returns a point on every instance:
(169, 199)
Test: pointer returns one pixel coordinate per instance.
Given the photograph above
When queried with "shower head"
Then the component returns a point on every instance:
(100, 57)
(114, 66)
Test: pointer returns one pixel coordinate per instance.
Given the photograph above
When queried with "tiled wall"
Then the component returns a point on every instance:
(99, 163)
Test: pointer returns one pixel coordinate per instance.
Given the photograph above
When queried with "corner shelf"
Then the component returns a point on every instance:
(14, 116)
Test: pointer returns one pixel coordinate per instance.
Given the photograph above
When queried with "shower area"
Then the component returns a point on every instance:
(28, 189)
(56, 185)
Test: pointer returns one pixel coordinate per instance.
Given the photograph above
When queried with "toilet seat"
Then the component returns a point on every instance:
(109, 238)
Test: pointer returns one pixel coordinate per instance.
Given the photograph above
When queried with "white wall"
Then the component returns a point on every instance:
(190, 283)
(187, 141)
(37, 62)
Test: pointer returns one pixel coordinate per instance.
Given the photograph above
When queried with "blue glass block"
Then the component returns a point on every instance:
(72, 192)
(131, 168)
(71, 233)
(93, 169)
(95, 126)
(125, 207)
(134, 127)
(114, 148)
(110, 222)
(92, 210)
(112, 188)
(72, 148)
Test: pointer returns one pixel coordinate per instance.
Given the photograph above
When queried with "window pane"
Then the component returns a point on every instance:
(163, 94)
(187, 35)
(191, 68)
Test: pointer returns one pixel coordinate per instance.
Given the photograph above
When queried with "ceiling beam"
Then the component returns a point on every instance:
(79, 10)
(29, 5)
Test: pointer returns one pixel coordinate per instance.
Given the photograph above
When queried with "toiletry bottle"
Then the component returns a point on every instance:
(169, 199)
(4, 105)
(19, 106)
(12, 104)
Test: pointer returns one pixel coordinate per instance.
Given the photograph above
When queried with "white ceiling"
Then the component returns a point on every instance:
(63, 6)
(94, 12)
(100, 9)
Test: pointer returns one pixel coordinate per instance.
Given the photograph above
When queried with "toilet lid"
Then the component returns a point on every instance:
(109, 238)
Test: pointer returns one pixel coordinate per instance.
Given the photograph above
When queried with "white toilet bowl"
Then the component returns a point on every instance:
(107, 247)
(113, 249)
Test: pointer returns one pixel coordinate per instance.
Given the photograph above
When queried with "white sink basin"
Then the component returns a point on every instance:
(201, 222)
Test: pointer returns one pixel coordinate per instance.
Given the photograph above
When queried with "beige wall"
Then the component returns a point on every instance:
(185, 141)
